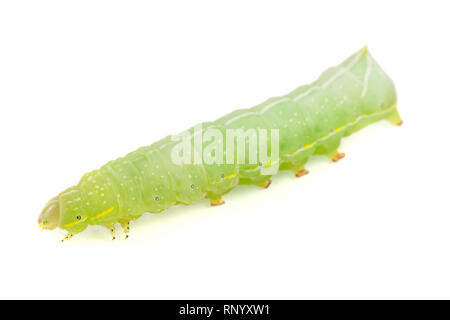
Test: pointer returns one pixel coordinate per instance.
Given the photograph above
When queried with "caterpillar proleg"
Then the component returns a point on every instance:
(244, 147)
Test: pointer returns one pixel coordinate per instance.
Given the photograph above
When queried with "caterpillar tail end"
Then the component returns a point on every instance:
(395, 118)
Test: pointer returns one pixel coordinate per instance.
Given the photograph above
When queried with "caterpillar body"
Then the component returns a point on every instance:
(310, 120)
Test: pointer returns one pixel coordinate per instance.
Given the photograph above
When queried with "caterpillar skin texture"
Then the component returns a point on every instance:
(311, 120)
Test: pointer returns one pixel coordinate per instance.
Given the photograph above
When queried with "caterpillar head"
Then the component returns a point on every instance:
(49, 217)
(65, 211)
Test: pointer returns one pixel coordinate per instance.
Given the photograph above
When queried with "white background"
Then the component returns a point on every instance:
(84, 82)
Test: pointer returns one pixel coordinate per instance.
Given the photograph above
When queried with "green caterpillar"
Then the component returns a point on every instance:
(310, 120)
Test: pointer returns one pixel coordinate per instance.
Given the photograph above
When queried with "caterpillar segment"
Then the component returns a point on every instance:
(311, 120)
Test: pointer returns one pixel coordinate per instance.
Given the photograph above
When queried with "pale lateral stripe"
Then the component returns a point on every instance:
(273, 104)
(304, 94)
(162, 147)
(366, 77)
(351, 123)
(240, 116)
(67, 193)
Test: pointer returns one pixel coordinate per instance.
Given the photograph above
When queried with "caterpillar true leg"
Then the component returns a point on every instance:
(67, 237)
(337, 156)
(112, 230)
(126, 227)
